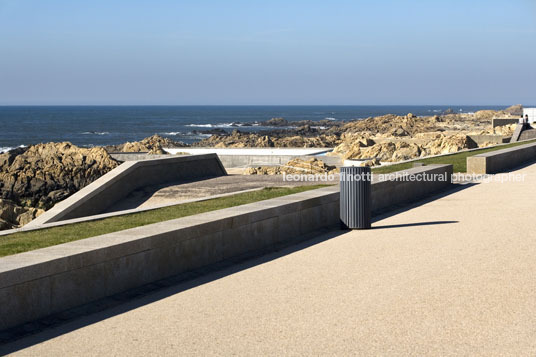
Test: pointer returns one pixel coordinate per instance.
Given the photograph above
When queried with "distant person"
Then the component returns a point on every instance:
(526, 123)
(522, 119)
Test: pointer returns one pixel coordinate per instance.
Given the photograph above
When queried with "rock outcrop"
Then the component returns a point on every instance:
(295, 166)
(516, 110)
(152, 145)
(14, 216)
(44, 174)
(304, 137)
(391, 151)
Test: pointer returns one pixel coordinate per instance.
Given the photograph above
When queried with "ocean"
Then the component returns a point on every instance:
(88, 126)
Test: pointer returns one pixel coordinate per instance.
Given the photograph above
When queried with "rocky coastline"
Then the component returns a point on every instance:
(34, 178)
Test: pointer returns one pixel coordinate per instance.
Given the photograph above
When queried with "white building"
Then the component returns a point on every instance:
(531, 112)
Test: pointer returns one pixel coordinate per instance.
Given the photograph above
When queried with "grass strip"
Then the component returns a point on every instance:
(458, 160)
(41, 238)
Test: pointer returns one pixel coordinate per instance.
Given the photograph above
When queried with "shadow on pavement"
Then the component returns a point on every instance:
(414, 224)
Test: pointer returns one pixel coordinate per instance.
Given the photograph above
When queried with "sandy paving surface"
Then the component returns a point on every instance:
(456, 276)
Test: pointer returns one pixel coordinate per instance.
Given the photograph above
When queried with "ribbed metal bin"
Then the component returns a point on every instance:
(356, 198)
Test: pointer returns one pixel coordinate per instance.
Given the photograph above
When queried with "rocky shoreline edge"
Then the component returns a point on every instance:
(34, 178)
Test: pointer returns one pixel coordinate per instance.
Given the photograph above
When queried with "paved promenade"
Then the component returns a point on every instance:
(455, 276)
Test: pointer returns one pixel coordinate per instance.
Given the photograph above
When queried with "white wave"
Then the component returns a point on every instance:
(95, 133)
(5, 149)
(330, 118)
(172, 133)
(223, 125)
(319, 127)
(200, 125)
(188, 135)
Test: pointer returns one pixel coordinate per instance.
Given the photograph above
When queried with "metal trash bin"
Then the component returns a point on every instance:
(355, 197)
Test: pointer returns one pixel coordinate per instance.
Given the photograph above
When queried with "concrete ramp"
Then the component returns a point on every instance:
(117, 184)
(517, 133)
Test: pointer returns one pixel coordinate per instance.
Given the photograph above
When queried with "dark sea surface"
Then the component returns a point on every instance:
(103, 125)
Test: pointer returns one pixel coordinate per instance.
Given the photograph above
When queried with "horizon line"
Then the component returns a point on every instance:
(247, 105)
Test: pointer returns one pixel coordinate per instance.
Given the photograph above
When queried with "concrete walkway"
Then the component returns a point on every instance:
(456, 276)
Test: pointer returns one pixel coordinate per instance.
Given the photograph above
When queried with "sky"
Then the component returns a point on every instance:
(201, 52)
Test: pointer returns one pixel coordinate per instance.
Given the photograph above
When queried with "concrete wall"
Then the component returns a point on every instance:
(528, 134)
(402, 187)
(501, 160)
(502, 122)
(127, 177)
(136, 156)
(477, 140)
(230, 161)
(45, 281)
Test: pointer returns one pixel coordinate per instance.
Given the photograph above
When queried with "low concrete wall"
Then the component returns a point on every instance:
(502, 122)
(501, 160)
(127, 177)
(478, 140)
(49, 280)
(136, 156)
(409, 185)
(230, 161)
(528, 134)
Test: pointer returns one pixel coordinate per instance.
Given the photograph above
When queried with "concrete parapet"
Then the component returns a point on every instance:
(409, 185)
(500, 160)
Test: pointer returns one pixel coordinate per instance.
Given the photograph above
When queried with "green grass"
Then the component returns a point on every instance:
(458, 161)
(26, 241)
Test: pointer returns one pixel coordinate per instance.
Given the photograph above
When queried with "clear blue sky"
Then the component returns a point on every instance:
(268, 52)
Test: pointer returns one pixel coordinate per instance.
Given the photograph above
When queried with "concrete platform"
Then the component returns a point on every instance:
(454, 276)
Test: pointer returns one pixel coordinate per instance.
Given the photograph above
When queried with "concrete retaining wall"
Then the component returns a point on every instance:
(127, 177)
(49, 280)
(501, 160)
(502, 122)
